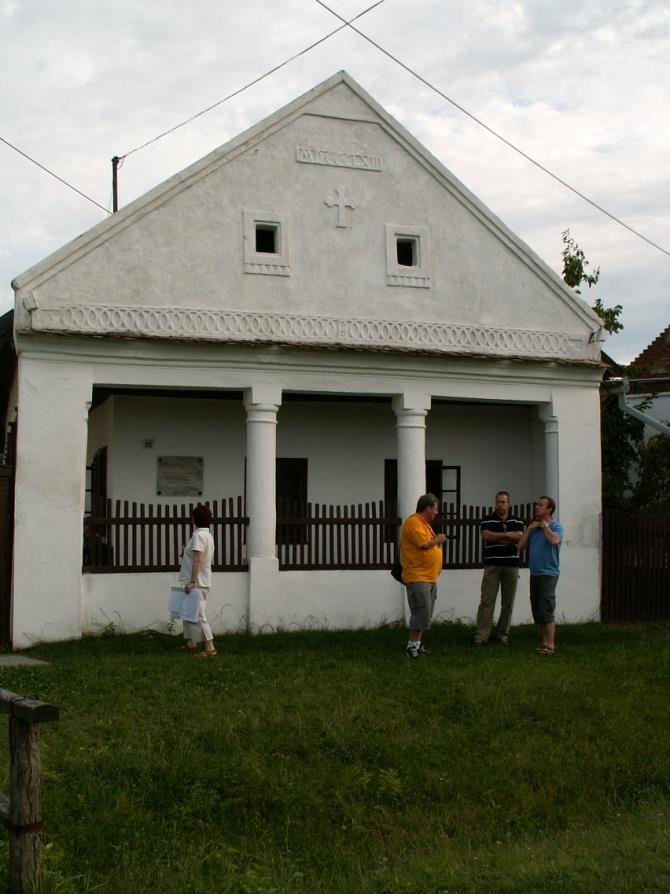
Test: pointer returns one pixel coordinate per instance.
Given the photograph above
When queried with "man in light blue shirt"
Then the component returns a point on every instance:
(544, 537)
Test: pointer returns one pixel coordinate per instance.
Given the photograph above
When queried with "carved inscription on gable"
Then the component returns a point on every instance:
(360, 160)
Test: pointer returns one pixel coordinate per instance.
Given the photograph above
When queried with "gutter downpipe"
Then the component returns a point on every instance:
(621, 386)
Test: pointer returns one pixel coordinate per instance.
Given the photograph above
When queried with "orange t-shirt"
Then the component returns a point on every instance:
(419, 564)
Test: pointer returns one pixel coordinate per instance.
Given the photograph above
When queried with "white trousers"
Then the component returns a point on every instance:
(198, 630)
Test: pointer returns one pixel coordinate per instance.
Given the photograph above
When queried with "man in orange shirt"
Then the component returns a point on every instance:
(421, 559)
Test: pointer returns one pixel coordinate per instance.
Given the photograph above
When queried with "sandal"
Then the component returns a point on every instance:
(546, 651)
(207, 653)
(187, 648)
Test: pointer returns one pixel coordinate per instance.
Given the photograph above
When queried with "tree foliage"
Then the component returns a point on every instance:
(575, 274)
(651, 494)
(621, 434)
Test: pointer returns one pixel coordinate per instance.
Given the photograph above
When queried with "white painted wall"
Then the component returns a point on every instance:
(497, 446)
(335, 600)
(135, 602)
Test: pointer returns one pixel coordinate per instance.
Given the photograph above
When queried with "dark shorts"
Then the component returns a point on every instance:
(421, 598)
(543, 598)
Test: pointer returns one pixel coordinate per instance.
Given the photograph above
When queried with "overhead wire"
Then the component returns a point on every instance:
(51, 173)
(493, 132)
(255, 80)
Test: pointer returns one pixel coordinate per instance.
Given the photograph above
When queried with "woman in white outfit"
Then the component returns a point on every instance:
(196, 571)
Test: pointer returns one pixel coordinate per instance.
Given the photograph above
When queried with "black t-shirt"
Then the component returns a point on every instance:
(501, 553)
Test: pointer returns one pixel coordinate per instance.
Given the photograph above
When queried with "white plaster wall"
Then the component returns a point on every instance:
(497, 446)
(477, 276)
(213, 429)
(135, 602)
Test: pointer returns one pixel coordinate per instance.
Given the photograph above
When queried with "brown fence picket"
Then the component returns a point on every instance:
(635, 567)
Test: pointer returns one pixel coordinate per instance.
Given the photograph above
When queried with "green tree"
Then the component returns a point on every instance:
(575, 274)
(651, 495)
(621, 434)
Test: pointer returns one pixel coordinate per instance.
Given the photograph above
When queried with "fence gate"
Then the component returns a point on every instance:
(6, 544)
(636, 567)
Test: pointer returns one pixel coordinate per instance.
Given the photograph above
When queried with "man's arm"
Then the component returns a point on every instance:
(501, 536)
(552, 536)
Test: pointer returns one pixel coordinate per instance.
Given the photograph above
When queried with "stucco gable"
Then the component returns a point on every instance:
(342, 182)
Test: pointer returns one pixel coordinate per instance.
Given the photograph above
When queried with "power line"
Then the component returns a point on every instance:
(255, 81)
(491, 130)
(60, 179)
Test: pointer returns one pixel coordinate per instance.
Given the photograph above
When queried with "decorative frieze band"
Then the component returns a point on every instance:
(292, 329)
(359, 160)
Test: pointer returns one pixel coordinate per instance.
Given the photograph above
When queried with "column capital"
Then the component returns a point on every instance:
(263, 395)
(411, 401)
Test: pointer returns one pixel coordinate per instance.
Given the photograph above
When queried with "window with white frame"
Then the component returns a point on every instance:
(266, 243)
(407, 256)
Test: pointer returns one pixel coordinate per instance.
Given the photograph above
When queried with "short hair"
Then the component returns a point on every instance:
(552, 504)
(504, 493)
(202, 516)
(425, 501)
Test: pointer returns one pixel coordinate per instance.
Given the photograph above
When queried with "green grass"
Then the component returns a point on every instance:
(328, 762)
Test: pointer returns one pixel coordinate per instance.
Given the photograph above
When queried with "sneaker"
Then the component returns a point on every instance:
(412, 651)
(423, 650)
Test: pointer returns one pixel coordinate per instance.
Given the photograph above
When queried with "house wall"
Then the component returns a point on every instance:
(345, 445)
(334, 600)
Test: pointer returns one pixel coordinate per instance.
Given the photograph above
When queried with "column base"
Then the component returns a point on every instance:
(264, 612)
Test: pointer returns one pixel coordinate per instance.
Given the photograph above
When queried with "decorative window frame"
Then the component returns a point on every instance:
(267, 263)
(416, 276)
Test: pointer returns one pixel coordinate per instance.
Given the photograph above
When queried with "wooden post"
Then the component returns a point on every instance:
(25, 821)
(21, 812)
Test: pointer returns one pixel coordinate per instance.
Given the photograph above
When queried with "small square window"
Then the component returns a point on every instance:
(408, 256)
(266, 243)
(406, 252)
(267, 238)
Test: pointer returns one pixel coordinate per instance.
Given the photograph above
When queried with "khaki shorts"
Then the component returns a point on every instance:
(421, 597)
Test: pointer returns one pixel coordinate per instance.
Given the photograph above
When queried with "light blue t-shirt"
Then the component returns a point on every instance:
(542, 555)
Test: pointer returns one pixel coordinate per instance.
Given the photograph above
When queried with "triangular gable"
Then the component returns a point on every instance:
(49, 297)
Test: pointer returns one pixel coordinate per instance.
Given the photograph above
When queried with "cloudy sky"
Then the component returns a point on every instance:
(582, 87)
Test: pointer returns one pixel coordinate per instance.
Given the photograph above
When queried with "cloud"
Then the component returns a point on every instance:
(579, 86)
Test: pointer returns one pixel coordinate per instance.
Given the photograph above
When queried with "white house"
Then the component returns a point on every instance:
(317, 308)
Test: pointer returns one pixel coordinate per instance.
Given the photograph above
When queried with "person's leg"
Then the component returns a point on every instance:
(487, 603)
(549, 635)
(207, 634)
(418, 599)
(546, 607)
(508, 580)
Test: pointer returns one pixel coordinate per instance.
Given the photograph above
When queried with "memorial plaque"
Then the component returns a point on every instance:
(179, 476)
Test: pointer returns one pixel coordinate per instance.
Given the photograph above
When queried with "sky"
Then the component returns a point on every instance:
(581, 87)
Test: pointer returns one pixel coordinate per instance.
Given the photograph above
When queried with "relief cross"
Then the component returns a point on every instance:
(340, 202)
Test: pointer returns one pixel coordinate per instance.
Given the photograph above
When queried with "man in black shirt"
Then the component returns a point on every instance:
(501, 533)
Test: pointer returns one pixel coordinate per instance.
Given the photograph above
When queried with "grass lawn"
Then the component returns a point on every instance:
(328, 762)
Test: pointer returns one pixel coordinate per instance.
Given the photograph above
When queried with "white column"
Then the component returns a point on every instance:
(262, 403)
(411, 410)
(551, 455)
(54, 399)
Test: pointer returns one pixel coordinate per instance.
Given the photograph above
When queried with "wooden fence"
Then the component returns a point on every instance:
(135, 537)
(138, 538)
(636, 567)
(21, 811)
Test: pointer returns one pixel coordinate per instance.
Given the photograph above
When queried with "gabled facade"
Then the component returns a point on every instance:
(319, 299)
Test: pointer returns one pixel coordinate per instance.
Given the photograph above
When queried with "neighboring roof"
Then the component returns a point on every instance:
(654, 362)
